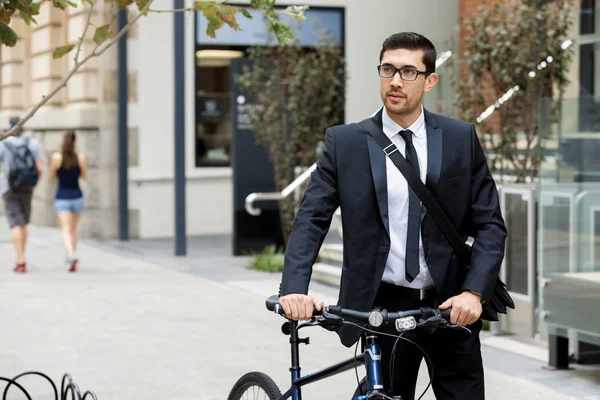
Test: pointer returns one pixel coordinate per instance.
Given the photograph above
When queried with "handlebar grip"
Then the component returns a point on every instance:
(272, 304)
(446, 313)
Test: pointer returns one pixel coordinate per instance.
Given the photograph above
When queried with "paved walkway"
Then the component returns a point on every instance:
(137, 323)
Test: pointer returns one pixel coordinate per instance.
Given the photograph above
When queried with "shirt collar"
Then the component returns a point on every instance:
(391, 128)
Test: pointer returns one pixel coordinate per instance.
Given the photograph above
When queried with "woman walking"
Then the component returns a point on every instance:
(68, 166)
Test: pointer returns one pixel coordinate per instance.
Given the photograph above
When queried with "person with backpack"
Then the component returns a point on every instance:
(22, 167)
(68, 166)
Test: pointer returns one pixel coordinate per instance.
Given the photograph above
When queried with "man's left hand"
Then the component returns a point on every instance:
(466, 308)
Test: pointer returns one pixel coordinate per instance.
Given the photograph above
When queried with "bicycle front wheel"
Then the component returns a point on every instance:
(361, 390)
(255, 386)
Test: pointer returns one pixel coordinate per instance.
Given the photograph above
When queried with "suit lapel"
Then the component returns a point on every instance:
(378, 163)
(434, 151)
(377, 159)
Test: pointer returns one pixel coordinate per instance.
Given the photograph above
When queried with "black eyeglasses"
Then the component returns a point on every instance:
(406, 74)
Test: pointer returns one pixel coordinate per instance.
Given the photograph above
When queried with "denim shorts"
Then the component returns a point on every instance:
(74, 206)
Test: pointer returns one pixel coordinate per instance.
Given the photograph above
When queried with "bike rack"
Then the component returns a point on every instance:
(67, 386)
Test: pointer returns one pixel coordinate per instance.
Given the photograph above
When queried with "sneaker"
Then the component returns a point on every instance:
(20, 269)
(73, 265)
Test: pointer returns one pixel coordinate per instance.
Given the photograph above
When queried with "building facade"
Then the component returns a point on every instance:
(88, 104)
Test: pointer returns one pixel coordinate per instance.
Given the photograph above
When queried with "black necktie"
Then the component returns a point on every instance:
(414, 213)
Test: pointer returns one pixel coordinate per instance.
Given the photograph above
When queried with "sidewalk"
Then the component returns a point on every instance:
(138, 323)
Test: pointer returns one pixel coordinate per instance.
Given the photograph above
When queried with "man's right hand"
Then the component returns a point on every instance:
(299, 307)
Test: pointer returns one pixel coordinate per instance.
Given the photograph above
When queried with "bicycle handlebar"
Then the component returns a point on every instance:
(424, 312)
(375, 317)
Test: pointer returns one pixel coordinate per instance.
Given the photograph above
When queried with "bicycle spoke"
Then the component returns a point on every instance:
(255, 392)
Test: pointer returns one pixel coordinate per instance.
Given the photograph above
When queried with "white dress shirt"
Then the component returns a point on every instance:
(397, 188)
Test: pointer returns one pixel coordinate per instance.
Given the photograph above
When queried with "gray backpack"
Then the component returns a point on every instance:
(22, 173)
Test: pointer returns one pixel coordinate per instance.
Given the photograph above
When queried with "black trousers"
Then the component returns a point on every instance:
(456, 356)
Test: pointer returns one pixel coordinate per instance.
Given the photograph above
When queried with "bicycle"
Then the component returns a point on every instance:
(371, 387)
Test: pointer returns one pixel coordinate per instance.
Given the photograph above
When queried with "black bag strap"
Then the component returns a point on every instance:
(17, 155)
(433, 208)
(29, 154)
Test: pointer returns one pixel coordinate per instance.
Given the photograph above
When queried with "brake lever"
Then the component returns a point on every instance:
(438, 322)
(312, 322)
(464, 329)
(328, 321)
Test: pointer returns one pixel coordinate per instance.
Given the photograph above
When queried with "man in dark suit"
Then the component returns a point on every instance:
(395, 257)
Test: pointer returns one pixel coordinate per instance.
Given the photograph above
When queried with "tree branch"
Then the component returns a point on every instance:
(193, 8)
(120, 34)
(175, 10)
(87, 24)
(63, 82)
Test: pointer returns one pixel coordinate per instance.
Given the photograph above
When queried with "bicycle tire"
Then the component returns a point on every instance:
(263, 381)
(361, 389)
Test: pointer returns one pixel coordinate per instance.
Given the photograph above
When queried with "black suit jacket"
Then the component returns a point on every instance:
(351, 174)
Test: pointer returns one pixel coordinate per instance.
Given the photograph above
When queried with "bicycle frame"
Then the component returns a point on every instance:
(371, 357)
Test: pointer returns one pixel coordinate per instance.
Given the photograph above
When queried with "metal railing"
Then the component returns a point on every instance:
(252, 197)
(545, 62)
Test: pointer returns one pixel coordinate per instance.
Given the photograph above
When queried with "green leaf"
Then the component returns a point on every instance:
(268, 4)
(283, 32)
(141, 4)
(8, 37)
(245, 12)
(204, 5)
(5, 16)
(27, 11)
(297, 12)
(216, 15)
(62, 4)
(61, 51)
(101, 34)
(27, 18)
(121, 3)
(227, 15)
(210, 31)
(226, 10)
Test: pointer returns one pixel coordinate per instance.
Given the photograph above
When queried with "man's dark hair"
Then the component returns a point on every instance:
(412, 41)
(13, 121)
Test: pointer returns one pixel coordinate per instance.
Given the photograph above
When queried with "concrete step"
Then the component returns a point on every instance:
(327, 274)
(329, 268)
(332, 254)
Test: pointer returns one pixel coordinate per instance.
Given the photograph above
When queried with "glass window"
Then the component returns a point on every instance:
(596, 239)
(516, 217)
(570, 194)
(569, 228)
(213, 97)
(214, 78)
(555, 223)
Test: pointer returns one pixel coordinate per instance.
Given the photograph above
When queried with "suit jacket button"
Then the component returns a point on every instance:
(383, 250)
